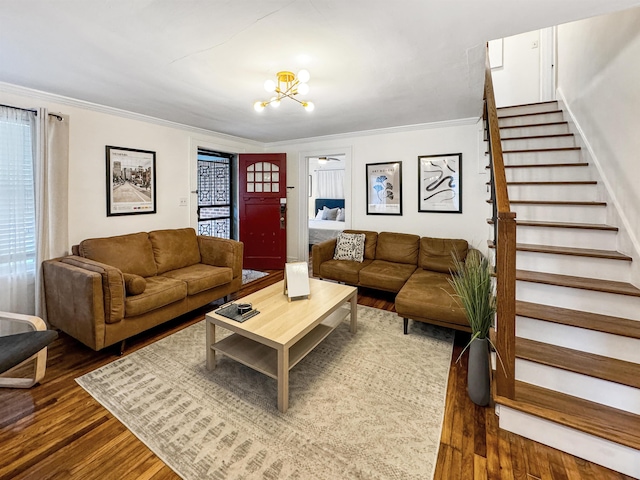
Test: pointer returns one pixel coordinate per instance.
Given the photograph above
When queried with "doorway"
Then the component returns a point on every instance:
(334, 168)
(215, 193)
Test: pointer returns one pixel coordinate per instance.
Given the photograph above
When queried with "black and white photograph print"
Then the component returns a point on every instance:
(440, 183)
(131, 181)
(384, 188)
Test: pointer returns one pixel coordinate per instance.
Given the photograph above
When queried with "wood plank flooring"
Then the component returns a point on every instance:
(58, 431)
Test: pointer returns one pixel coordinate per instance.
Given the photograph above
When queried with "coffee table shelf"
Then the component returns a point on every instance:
(264, 359)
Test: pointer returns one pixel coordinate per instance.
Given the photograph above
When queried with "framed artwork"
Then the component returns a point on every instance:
(440, 183)
(131, 181)
(384, 188)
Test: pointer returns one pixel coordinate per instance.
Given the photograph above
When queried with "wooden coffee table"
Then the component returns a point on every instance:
(284, 332)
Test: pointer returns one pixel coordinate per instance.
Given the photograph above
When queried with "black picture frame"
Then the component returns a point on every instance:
(440, 183)
(384, 188)
(131, 181)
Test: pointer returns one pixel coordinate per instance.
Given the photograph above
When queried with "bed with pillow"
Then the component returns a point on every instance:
(329, 220)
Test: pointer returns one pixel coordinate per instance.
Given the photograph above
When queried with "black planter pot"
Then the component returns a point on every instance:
(478, 375)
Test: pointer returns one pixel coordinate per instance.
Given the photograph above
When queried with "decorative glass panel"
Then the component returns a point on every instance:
(259, 177)
(250, 187)
(275, 187)
(250, 168)
(267, 187)
(275, 168)
(258, 187)
(258, 166)
(250, 177)
(266, 166)
(266, 177)
(275, 177)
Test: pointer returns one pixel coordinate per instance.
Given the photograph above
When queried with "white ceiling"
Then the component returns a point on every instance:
(373, 63)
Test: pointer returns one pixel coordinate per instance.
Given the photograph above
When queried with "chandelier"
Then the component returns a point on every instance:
(288, 85)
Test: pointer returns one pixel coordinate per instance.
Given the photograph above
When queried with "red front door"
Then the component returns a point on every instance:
(263, 220)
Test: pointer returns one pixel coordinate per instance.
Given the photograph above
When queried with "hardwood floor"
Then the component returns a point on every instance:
(58, 431)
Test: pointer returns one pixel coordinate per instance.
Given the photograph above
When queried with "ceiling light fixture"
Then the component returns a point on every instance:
(288, 85)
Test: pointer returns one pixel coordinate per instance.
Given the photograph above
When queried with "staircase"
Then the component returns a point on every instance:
(577, 316)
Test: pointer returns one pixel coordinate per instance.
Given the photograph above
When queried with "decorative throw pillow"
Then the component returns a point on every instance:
(350, 246)
(319, 214)
(340, 216)
(329, 213)
(134, 284)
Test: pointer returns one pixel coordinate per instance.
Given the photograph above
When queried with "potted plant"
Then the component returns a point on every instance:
(473, 285)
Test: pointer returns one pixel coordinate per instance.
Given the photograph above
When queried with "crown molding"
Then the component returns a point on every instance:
(95, 107)
(379, 131)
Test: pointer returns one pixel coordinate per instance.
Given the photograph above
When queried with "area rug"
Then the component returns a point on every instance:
(251, 275)
(362, 406)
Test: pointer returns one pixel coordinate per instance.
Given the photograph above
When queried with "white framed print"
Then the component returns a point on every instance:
(440, 183)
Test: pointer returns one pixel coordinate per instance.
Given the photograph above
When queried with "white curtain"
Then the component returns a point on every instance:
(330, 183)
(52, 194)
(17, 214)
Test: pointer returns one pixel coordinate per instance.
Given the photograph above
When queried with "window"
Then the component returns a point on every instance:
(17, 202)
(215, 194)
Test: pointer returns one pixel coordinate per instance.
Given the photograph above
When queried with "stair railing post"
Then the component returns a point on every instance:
(505, 298)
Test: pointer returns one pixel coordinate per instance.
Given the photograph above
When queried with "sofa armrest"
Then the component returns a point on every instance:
(75, 301)
(222, 252)
(321, 252)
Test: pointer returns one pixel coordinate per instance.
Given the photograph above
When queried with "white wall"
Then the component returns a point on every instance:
(517, 82)
(404, 146)
(599, 79)
(90, 131)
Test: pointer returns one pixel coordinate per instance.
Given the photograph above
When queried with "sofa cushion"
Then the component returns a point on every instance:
(428, 295)
(160, 291)
(398, 247)
(346, 271)
(370, 242)
(129, 253)
(385, 275)
(350, 246)
(175, 248)
(134, 284)
(201, 277)
(436, 253)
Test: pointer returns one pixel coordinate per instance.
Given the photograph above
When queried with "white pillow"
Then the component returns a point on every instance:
(340, 216)
(329, 213)
(350, 246)
(319, 215)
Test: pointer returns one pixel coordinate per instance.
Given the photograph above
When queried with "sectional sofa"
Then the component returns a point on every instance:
(416, 269)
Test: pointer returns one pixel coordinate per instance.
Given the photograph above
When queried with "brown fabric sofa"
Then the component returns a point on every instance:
(415, 268)
(115, 287)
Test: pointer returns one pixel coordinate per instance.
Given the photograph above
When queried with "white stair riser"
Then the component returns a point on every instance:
(525, 131)
(624, 306)
(546, 174)
(589, 388)
(601, 268)
(587, 193)
(531, 119)
(545, 158)
(567, 237)
(599, 343)
(561, 213)
(594, 449)
(533, 108)
(535, 143)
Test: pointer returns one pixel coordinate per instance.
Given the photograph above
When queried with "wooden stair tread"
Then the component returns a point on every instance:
(542, 183)
(542, 150)
(576, 361)
(578, 252)
(584, 226)
(555, 202)
(547, 165)
(529, 114)
(593, 284)
(535, 137)
(534, 125)
(575, 318)
(507, 107)
(593, 418)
